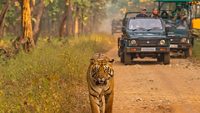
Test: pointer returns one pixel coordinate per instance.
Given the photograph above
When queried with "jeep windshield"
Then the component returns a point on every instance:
(145, 24)
(179, 29)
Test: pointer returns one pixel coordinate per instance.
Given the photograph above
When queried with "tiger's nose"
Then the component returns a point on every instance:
(101, 80)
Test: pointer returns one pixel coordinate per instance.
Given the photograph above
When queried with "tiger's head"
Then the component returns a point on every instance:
(101, 70)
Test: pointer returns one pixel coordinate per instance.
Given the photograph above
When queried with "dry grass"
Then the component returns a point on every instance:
(52, 78)
(196, 32)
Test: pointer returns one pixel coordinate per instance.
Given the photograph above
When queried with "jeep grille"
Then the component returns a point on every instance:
(146, 43)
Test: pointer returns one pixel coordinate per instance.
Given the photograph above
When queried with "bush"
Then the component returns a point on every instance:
(196, 48)
(52, 78)
(196, 32)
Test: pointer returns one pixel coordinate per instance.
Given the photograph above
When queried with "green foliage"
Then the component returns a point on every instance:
(11, 15)
(196, 32)
(47, 2)
(196, 52)
(2, 2)
(55, 9)
(52, 78)
(90, 12)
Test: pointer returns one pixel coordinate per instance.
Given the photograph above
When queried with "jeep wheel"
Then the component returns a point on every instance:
(166, 58)
(159, 59)
(188, 52)
(119, 53)
(127, 59)
(121, 57)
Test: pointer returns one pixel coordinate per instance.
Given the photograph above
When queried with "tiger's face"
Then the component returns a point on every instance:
(101, 71)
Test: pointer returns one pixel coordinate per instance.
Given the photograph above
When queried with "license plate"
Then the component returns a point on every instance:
(148, 49)
(173, 46)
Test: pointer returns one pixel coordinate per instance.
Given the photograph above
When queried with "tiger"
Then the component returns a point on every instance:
(100, 78)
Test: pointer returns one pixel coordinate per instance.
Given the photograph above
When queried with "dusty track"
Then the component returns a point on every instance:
(149, 87)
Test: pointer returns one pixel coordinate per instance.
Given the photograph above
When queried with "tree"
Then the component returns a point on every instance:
(51, 17)
(69, 17)
(38, 15)
(2, 16)
(62, 28)
(27, 32)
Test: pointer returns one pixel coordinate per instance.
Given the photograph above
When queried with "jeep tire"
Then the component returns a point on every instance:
(159, 59)
(188, 52)
(127, 58)
(166, 58)
(121, 57)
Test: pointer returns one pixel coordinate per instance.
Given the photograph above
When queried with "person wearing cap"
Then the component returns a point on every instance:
(155, 13)
(180, 14)
(142, 13)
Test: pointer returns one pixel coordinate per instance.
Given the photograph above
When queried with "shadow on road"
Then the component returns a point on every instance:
(141, 63)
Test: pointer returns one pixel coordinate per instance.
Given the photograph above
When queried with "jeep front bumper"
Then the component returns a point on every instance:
(147, 49)
(177, 47)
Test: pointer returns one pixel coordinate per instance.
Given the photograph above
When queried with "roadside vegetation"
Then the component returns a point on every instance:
(52, 77)
(196, 52)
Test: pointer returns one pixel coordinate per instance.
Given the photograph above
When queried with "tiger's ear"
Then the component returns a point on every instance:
(92, 61)
(112, 61)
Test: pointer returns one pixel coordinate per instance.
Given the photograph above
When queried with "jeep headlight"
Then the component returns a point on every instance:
(162, 42)
(132, 42)
(183, 40)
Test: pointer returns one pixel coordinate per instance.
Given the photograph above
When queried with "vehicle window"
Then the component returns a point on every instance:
(181, 29)
(145, 24)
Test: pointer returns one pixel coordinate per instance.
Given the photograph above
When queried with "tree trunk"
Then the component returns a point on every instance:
(69, 18)
(76, 21)
(81, 22)
(37, 24)
(27, 32)
(76, 26)
(62, 29)
(2, 16)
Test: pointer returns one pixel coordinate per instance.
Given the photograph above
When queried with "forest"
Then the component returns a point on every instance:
(45, 47)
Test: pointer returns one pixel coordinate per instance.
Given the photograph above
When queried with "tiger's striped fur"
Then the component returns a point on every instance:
(101, 84)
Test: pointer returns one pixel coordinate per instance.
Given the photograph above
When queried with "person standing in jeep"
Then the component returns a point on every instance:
(155, 13)
(142, 13)
(180, 14)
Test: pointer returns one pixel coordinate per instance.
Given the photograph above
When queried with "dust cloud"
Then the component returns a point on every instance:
(106, 24)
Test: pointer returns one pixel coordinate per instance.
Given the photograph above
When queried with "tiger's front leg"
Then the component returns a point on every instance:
(97, 105)
(109, 95)
(109, 102)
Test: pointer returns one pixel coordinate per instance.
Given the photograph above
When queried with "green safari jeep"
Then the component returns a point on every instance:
(144, 37)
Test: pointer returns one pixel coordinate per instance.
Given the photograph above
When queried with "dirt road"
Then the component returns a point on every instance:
(149, 87)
